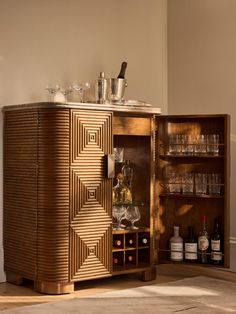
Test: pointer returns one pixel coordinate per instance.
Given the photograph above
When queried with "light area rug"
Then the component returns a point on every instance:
(192, 295)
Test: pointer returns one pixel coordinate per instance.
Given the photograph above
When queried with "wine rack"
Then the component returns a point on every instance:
(132, 251)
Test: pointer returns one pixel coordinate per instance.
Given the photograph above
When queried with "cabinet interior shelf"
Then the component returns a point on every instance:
(198, 252)
(125, 231)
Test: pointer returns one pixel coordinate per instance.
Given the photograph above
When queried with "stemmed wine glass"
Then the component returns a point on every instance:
(81, 88)
(132, 214)
(118, 212)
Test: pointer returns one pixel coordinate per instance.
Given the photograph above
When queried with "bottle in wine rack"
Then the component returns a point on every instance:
(216, 245)
(117, 243)
(190, 246)
(203, 242)
(115, 261)
(143, 240)
(176, 246)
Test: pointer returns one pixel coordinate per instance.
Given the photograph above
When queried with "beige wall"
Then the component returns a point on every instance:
(202, 66)
(65, 41)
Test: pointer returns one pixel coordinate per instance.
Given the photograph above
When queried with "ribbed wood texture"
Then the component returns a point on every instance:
(91, 195)
(20, 192)
(53, 195)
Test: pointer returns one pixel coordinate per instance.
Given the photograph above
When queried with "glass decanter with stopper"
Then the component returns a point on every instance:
(121, 192)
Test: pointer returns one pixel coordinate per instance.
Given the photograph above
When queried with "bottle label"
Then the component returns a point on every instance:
(216, 256)
(203, 243)
(190, 251)
(176, 253)
(215, 245)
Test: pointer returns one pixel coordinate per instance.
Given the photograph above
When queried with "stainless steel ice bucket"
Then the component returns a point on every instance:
(116, 88)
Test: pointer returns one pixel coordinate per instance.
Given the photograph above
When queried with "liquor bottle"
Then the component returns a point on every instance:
(176, 246)
(121, 75)
(203, 242)
(127, 172)
(216, 245)
(121, 192)
(190, 246)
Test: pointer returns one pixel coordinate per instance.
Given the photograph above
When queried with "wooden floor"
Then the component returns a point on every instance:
(12, 296)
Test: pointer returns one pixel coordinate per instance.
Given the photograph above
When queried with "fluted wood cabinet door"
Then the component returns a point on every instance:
(90, 195)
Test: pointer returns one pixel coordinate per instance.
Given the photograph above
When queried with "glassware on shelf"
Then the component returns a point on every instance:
(132, 214)
(121, 193)
(187, 183)
(174, 144)
(59, 94)
(118, 212)
(81, 88)
(213, 144)
(187, 147)
(175, 183)
(200, 183)
(200, 144)
(127, 172)
(119, 154)
(214, 183)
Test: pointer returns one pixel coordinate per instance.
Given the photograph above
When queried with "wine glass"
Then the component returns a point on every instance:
(58, 93)
(81, 88)
(118, 212)
(132, 214)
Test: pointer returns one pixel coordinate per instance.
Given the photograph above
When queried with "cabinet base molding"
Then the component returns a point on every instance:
(149, 274)
(54, 287)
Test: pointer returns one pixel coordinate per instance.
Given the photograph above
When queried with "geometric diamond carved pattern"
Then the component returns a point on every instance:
(91, 195)
(90, 134)
(90, 258)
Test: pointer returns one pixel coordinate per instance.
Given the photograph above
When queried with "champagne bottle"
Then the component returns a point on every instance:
(203, 242)
(216, 245)
(176, 246)
(190, 246)
(121, 192)
(121, 75)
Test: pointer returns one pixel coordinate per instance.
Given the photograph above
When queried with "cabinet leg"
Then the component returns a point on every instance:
(54, 287)
(14, 278)
(149, 274)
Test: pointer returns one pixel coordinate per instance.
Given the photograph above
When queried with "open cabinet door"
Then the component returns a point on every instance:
(189, 148)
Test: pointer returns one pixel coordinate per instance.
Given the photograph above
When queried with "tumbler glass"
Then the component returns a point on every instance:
(200, 183)
(187, 183)
(214, 182)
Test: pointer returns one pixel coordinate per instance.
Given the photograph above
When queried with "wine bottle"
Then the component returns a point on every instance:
(216, 245)
(130, 242)
(121, 75)
(115, 261)
(117, 243)
(130, 258)
(190, 246)
(176, 246)
(203, 242)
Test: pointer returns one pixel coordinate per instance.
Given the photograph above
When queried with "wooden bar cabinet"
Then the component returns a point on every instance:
(59, 173)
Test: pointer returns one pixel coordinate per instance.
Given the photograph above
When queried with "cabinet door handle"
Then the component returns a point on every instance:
(110, 159)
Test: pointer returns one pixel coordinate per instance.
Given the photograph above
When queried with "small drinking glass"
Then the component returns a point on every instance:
(200, 183)
(213, 144)
(214, 182)
(200, 144)
(119, 154)
(187, 183)
(132, 214)
(174, 144)
(174, 183)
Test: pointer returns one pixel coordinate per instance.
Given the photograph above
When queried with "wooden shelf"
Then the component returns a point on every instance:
(166, 156)
(180, 195)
